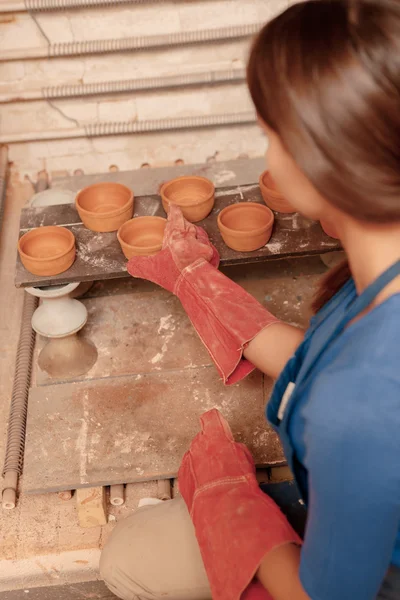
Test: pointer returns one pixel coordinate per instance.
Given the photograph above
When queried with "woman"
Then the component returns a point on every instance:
(325, 80)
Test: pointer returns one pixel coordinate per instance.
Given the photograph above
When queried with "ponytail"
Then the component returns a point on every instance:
(331, 283)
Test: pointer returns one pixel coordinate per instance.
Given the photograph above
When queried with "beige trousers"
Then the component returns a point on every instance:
(154, 554)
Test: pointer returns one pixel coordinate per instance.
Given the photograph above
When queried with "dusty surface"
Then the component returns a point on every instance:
(135, 428)
(135, 417)
(140, 332)
(43, 530)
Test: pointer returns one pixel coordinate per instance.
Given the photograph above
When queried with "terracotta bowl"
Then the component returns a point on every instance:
(246, 226)
(272, 196)
(47, 250)
(104, 206)
(142, 236)
(329, 229)
(194, 195)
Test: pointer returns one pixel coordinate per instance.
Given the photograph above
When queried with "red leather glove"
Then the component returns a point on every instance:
(225, 316)
(236, 523)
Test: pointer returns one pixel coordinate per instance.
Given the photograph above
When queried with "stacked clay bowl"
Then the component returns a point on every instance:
(105, 206)
(47, 251)
(272, 196)
(194, 195)
(246, 226)
(142, 236)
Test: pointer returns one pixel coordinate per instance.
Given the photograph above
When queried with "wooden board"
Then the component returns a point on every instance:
(99, 255)
(146, 182)
(135, 428)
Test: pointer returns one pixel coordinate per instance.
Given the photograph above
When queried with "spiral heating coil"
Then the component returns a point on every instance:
(51, 5)
(3, 178)
(19, 404)
(145, 83)
(125, 127)
(83, 47)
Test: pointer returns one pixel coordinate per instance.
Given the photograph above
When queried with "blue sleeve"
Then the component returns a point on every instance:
(352, 437)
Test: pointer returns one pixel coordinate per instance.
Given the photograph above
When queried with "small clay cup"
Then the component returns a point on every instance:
(246, 226)
(47, 251)
(194, 195)
(272, 196)
(105, 206)
(329, 229)
(142, 236)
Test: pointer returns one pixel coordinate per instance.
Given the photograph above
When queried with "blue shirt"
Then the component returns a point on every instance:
(342, 433)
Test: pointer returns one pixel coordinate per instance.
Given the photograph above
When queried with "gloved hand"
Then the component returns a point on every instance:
(225, 316)
(236, 523)
(184, 244)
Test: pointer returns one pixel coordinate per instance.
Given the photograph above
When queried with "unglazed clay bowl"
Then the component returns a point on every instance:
(47, 250)
(194, 195)
(142, 236)
(105, 206)
(246, 226)
(272, 196)
(329, 229)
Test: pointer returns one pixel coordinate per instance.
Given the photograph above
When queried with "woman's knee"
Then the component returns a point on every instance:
(120, 563)
(154, 554)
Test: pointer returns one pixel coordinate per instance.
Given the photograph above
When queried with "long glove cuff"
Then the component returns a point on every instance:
(236, 525)
(225, 316)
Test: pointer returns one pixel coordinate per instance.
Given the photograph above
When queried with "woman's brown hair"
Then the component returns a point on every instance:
(325, 76)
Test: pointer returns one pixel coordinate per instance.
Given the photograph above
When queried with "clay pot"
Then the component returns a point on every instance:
(47, 250)
(142, 236)
(105, 206)
(329, 229)
(194, 195)
(246, 226)
(272, 196)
